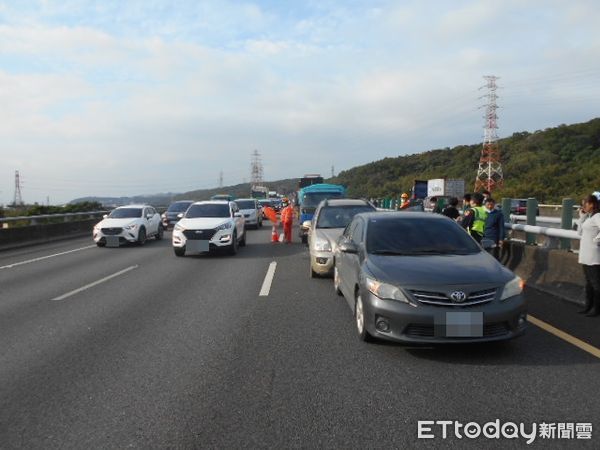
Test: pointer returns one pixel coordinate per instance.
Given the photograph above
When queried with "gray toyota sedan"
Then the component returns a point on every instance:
(420, 278)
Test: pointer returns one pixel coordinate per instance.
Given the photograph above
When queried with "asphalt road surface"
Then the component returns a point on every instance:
(134, 347)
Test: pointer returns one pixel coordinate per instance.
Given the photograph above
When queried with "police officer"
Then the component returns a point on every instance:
(474, 217)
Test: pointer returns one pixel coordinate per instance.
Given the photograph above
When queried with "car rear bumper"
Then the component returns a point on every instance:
(421, 324)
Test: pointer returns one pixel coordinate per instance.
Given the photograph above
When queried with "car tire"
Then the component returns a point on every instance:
(141, 240)
(359, 320)
(160, 233)
(101, 244)
(336, 282)
(179, 251)
(233, 248)
(243, 240)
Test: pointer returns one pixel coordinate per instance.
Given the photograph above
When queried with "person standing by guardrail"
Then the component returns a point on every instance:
(474, 217)
(493, 232)
(588, 227)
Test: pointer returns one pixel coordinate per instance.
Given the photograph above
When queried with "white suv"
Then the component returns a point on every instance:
(251, 210)
(209, 225)
(131, 223)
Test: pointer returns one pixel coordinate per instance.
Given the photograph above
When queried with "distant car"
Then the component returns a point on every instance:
(329, 221)
(225, 197)
(518, 206)
(276, 204)
(132, 223)
(209, 225)
(420, 278)
(251, 210)
(170, 216)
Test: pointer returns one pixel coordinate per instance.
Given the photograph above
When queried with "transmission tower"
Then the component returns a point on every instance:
(256, 169)
(221, 179)
(18, 199)
(489, 173)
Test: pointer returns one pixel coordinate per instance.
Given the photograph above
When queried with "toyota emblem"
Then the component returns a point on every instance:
(458, 296)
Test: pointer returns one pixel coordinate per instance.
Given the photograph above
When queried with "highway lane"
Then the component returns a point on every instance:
(183, 352)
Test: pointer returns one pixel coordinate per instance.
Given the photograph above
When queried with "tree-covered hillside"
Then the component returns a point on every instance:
(548, 165)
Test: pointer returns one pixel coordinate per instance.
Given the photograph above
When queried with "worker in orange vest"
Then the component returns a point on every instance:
(405, 201)
(287, 218)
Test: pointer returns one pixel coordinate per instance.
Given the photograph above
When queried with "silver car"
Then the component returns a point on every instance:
(418, 277)
(329, 221)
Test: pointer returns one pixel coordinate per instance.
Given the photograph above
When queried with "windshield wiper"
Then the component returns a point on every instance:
(391, 253)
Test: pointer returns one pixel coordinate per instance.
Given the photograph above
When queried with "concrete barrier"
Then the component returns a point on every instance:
(37, 234)
(555, 272)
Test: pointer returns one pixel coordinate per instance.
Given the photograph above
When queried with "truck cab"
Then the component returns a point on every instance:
(309, 198)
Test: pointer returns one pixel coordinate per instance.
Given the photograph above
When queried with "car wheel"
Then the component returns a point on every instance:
(243, 240)
(160, 233)
(233, 248)
(142, 236)
(336, 281)
(101, 244)
(179, 251)
(359, 316)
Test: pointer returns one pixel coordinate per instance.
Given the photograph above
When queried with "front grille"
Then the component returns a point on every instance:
(442, 299)
(111, 231)
(199, 235)
(428, 331)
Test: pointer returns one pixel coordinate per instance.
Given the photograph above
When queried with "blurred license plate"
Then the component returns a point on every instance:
(196, 246)
(112, 241)
(463, 324)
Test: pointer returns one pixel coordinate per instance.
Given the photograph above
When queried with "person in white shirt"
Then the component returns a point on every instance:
(588, 227)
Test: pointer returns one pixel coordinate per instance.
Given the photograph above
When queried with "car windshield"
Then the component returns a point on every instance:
(312, 200)
(246, 204)
(207, 210)
(265, 203)
(339, 216)
(179, 206)
(418, 237)
(126, 213)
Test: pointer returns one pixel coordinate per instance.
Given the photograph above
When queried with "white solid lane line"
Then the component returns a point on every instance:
(266, 286)
(95, 283)
(41, 258)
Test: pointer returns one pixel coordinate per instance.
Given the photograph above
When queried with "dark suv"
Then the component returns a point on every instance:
(169, 217)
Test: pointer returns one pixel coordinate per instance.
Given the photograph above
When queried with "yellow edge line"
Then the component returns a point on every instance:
(565, 336)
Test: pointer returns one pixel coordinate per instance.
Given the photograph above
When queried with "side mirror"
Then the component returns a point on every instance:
(306, 224)
(105, 216)
(348, 247)
(180, 216)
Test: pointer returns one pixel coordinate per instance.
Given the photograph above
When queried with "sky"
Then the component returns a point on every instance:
(129, 97)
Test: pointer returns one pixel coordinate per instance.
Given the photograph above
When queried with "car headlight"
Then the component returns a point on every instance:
(386, 291)
(133, 226)
(322, 245)
(225, 226)
(178, 227)
(512, 288)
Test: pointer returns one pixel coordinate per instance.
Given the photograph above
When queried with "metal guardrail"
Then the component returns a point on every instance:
(545, 231)
(541, 219)
(34, 220)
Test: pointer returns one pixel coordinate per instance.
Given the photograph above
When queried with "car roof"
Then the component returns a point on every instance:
(182, 201)
(346, 202)
(135, 205)
(404, 215)
(213, 202)
(243, 199)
